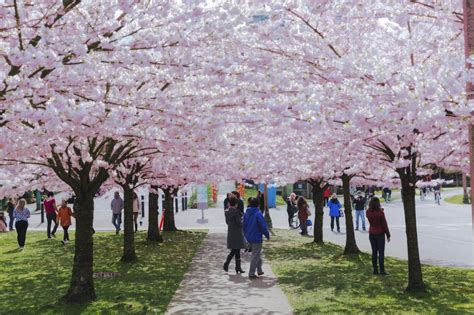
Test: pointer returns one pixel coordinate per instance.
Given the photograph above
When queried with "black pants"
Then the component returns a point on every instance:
(50, 218)
(304, 227)
(377, 242)
(66, 233)
(21, 227)
(290, 217)
(337, 223)
(234, 252)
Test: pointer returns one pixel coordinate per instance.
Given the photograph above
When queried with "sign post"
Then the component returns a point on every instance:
(202, 202)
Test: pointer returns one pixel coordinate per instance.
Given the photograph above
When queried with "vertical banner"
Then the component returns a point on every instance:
(201, 191)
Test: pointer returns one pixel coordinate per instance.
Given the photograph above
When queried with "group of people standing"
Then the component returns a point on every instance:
(375, 214)
(117, 206)
(244, 231)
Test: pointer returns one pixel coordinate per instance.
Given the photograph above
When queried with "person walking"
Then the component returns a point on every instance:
(10, 208)
(21, 215)
(235, 236)
(51, 214)
(254, 226)
(334, 211)
(326, 195)
(64, 218)
(359, 206)
(117, 206)
(136, 210)
(377, 232)
(291, 208)
(303, 211)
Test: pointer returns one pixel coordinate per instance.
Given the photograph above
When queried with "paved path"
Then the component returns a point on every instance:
(208, 289)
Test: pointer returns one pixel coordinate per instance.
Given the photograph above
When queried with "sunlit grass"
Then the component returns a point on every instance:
(32, 281)
(456, 199)
(319, 280)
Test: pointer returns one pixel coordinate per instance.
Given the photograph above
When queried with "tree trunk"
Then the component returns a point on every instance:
(465, 198)
(415, 277)
(153, 228)
(351, 245)
(169, 224)
(129, 254)
(318, 201)
(81, 288)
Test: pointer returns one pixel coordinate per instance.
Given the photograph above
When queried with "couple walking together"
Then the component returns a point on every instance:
(253, 225)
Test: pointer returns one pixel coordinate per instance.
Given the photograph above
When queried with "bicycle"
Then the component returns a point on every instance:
(295, 222)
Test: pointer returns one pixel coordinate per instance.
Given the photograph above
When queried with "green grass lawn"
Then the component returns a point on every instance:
(319, 280)
(456, 199)
(32, 281)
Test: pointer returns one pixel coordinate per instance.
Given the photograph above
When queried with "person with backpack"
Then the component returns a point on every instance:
(291, 208)
(377, 232)
(334, 211)
(254, 227)
(235, 236)
(64, 218)
(359, 206)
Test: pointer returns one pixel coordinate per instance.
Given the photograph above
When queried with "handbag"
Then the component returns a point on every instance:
(341, 213)
(309, 222)
(308, 212)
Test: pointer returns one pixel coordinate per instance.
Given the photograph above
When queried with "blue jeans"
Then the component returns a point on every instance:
(117, 220)
(361, 214)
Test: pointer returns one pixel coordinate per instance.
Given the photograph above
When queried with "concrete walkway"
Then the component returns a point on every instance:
(208, 289)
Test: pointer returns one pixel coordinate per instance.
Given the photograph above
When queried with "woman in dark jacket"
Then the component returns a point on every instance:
(377, 231)
(235, 235)
(291, 208)
(303, 208)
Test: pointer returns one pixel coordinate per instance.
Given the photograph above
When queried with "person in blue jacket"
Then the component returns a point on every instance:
(334, 206)
(254, 227)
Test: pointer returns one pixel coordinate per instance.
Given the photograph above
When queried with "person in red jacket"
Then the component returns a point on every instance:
(303, 209)
(377, 231)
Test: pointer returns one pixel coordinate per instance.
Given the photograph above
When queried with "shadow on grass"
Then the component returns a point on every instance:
(345, 284)
(34, 280)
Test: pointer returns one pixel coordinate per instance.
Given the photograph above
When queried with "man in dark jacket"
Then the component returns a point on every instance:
(359, 206)
(254, 227)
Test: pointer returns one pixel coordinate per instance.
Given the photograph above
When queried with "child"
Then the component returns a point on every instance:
(3, 223)
(64, 218)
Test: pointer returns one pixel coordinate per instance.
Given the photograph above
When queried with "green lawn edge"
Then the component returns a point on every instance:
(456, 199)
(320, 280)
(32, 281)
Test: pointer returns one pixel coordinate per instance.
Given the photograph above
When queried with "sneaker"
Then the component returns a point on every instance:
(260, 273)
(116, 232)
(63, 242)
(253, 277)
(53, 235)
(21, 248)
